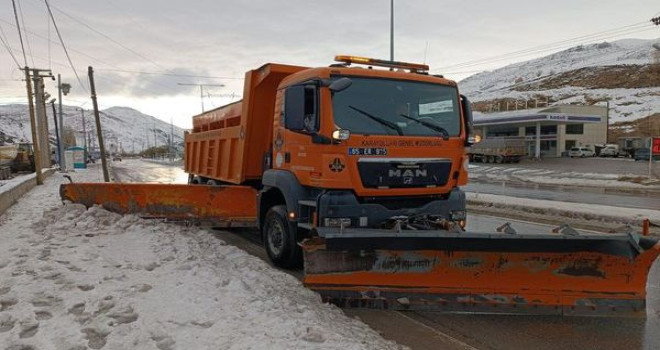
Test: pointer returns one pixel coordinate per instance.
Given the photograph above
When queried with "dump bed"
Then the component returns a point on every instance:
(228, 143)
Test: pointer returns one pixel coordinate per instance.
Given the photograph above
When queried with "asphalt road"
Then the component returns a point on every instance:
(435, 330)
(587, 195)
(621, 166)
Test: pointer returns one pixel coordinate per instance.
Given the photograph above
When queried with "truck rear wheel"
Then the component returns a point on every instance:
(280, 239)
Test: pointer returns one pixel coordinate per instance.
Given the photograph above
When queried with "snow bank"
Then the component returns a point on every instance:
(72, 278)
(562, 177)
(566, 209)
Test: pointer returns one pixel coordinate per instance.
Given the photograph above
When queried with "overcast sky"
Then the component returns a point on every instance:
(223, 39)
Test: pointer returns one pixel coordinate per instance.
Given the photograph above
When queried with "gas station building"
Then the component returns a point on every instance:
(549, 131)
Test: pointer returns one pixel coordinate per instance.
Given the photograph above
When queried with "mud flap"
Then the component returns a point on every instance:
(482, 272)
(221, 206)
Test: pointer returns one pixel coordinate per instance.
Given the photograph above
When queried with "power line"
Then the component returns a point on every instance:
(57, 30)
(18, 26)
(544, 47)
(27, 40)
(49, 55)
(166, 71)
(170, 74)
(52, 41)
(107, 37)
(119, 82)
(539, 51)
(4, 40)
(628, 29)
(95, 59)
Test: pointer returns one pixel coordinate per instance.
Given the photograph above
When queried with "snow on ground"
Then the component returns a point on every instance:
(6, 185)
(562, 177)
(72, 278)
(626, 104)
(131, 129)
(567, 209)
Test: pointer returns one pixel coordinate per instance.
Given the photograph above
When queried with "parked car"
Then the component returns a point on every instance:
(610, 151)
(581, 152)
(643, 154)
(116, 158)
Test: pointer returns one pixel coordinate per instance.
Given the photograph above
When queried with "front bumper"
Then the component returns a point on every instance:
(371, 214)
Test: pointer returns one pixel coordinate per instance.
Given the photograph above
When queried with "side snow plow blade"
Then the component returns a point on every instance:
(230, 206)
(480, 272)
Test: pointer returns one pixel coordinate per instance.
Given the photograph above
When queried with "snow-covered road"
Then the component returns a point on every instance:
(72, 278)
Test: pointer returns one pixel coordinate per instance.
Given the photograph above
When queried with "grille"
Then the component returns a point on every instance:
(397, 173)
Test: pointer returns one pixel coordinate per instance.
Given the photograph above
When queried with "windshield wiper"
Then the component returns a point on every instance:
(438, 128)
(379, 120)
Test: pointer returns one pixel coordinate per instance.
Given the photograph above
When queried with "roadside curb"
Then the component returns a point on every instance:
(591, 217)
(17, 190)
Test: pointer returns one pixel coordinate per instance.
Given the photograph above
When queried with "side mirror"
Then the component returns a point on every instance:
(468, 122)
(340, 84)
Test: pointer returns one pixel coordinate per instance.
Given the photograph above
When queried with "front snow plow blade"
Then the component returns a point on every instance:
(598, 275)
(220, 206)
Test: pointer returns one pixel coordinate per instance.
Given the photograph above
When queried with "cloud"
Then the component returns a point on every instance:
(227, 38)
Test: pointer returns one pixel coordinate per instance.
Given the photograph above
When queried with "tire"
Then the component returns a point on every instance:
(279, 238)
(499, 159)
(491, 159)
(212, 183)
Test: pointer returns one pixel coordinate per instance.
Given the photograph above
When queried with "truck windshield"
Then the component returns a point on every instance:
(396, 107)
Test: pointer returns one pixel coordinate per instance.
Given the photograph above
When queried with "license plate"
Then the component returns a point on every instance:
(360, 151)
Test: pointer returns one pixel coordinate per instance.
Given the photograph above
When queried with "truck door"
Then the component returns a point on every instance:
(301, 121)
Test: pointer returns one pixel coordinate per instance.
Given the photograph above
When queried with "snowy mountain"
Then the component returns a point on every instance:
(122, 127)
(622, 72)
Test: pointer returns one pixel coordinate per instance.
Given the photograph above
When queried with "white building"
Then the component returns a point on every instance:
(547, 131)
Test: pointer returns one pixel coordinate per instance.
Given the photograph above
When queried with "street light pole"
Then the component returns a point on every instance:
(61, 136)
(391, 30)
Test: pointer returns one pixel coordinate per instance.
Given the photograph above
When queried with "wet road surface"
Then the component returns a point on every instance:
(435, 330)
(588, 195)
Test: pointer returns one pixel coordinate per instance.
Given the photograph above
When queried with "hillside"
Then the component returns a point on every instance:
(122, 127)
(625, 72)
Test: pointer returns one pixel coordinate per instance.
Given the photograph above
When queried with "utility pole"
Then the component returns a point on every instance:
(42, 120)
(39, 108)
(33, 124)
(60, 156)
(82, 114)
(62, 89)
(155, 145)
(201, 90)
(104, 163)
(392, 30)
(171, 140)
(146, 135)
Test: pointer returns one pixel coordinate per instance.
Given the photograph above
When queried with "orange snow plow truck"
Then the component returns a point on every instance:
(356, 173)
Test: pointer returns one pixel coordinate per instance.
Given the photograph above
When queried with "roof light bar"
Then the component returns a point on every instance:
(381, 63)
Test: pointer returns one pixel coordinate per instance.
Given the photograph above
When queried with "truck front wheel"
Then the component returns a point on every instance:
(280, 239)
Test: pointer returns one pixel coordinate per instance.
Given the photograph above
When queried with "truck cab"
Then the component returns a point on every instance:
(363, 148)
